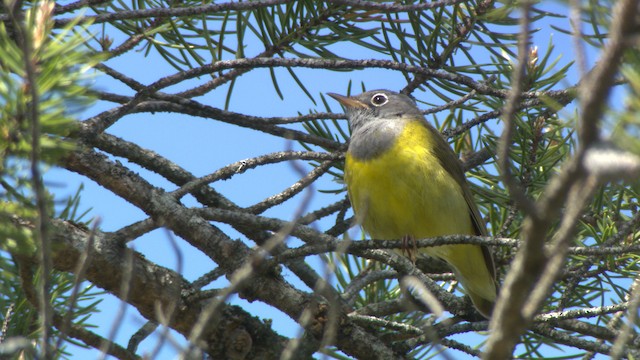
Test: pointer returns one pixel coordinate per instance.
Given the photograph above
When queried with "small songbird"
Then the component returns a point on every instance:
(405, 182)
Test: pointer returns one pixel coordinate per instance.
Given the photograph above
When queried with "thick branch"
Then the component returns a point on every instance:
(152, 287)
(265, 285)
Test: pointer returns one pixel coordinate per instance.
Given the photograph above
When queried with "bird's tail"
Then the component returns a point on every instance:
(484, 306)
(473, 267)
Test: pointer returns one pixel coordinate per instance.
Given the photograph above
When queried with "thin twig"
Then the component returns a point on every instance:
(147, 329)
(561, 337)
(364, 279)
(8, 315)
(168, 12)
(241, 166)
(575, 18)
(292, 190)
(166, 315)
(80, 271)
(96, 341)
(579, 197)
(76, 5)
(581, 313)
(25, 41)
(516, 192)
(619, 346)
(323, 212)
(393, 7)
(382, 323)
(125, 286)
(135, 230)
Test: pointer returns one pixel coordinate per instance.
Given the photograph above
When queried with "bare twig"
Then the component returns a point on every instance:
(581, 313)
(168, 12)
(292, 190)
(125, 286)
(166, 315)
(581, 194)
(322, 212)
(79, 278)
(79, 4)
(393, 325)
(386, 7)
(96, 341)
(241, 166)
(8, 315)
(364, 279)
(517, 193)
(619, 346)
(147, 329)
(563, 338)
(135, 230)
(577, 37)
(333, 64)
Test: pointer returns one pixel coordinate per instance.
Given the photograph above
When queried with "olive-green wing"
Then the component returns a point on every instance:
(453, 166)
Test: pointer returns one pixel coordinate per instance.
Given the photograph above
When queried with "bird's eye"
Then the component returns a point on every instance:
(379, 99)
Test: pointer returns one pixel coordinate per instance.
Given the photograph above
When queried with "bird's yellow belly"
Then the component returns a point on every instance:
(406, 192)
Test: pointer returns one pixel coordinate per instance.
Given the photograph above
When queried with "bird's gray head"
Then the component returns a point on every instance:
(377, 105)
(376, 119)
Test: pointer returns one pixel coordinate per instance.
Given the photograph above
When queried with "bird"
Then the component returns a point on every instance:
(405, 182)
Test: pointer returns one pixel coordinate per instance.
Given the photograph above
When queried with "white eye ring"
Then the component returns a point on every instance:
(379, 99)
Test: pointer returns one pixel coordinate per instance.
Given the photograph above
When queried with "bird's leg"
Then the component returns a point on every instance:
(409, 247)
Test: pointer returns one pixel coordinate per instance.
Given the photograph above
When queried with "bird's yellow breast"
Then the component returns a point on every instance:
(405, 191)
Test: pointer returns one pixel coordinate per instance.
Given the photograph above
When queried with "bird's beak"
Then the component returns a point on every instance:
(348, 102)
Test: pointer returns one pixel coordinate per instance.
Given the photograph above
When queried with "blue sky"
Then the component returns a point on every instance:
(203, 146)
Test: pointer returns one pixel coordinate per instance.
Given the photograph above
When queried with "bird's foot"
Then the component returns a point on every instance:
(410, 247)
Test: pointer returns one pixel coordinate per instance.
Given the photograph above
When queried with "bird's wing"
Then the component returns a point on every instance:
(453, 166)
